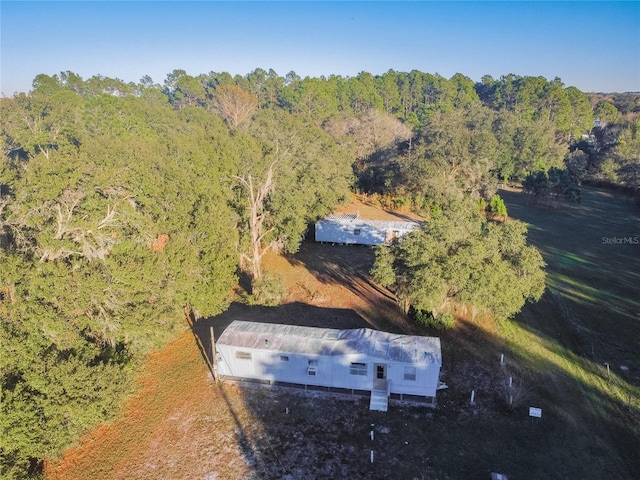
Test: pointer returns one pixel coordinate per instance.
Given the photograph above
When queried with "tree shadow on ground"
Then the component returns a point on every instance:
(295, 313)
(348, 266)
(315, 436)
(345, 265)
(593, 260)
(585, 432)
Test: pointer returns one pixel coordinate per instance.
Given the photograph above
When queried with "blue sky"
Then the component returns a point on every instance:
(594, 46)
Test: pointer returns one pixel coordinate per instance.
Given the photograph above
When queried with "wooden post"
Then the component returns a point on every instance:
(213, 355)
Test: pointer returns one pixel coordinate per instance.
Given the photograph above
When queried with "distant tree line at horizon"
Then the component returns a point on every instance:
(530, 117)
(123, 204)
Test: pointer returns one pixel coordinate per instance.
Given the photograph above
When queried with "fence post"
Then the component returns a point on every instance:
(214, 363)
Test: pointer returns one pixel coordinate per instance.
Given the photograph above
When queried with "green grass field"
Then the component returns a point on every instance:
(592, 252)
(588, 318)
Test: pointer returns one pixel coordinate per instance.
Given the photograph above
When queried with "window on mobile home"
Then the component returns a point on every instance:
(410, 373)
(312, 369)
(358, 369)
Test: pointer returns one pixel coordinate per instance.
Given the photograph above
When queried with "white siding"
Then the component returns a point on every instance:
(348, 233)
(330, 371)
(349, 229)
(426, 382)
(332, 354)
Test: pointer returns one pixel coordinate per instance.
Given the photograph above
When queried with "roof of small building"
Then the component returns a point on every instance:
(354, 219)
(314, 341)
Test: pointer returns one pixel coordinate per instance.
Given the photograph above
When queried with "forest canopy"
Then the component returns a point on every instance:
(122, 204)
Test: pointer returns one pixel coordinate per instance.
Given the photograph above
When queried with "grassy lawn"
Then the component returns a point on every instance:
(588, 318)
(183, 426)
(594, 281)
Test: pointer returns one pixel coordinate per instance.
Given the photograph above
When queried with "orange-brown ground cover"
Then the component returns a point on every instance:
(182, 425)
(166, 423)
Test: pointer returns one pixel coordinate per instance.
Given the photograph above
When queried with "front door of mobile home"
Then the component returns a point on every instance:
(379, 376)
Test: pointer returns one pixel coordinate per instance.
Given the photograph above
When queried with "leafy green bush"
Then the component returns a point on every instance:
(268, 290)
(444, 321)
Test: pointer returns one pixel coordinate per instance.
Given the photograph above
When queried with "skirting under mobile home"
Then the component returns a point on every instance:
(357, 360)
(352, 229)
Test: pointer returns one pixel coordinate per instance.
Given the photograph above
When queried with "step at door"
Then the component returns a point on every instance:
(379, 401)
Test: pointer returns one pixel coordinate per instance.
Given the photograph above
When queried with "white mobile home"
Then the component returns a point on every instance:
(352, 229)
(357, 361)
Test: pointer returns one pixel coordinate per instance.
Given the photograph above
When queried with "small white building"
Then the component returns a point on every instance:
(350, 228)
(356, 361)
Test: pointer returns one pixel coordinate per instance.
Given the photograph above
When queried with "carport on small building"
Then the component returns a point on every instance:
(350, 228)
(355, 361)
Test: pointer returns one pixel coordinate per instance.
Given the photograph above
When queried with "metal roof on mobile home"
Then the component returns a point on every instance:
(355, 219)
(293, 339)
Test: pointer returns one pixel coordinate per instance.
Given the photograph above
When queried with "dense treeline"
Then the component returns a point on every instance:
(122, 204)
(117, 211)
(532, 120)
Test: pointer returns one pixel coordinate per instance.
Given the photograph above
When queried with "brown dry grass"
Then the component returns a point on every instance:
(371, 208)
(165, 427)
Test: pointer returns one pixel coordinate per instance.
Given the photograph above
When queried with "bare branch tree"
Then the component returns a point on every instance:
(64, 206)
(234, 104)
(118, 196)
(257, 196)
(29, 230)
